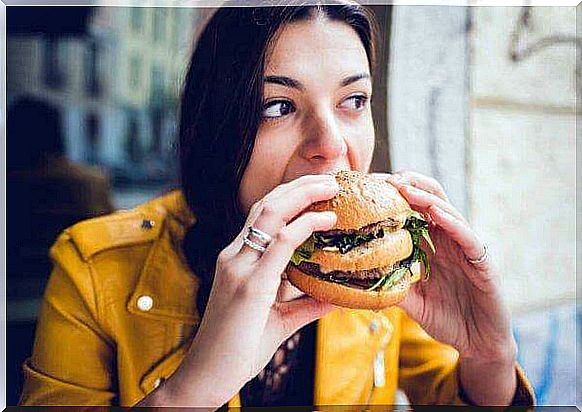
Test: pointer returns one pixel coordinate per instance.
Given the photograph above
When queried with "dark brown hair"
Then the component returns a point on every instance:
(221, 110)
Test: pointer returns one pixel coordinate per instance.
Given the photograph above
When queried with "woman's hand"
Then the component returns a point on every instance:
(461, 303)
(252, 309)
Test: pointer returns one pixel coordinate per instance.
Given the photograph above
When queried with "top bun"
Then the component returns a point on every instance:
(362, 200)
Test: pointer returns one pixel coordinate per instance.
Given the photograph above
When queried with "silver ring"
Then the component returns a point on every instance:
(259, 234)
(254, 245)
(481, 259)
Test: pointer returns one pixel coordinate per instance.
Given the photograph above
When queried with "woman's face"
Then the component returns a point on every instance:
(316, 108)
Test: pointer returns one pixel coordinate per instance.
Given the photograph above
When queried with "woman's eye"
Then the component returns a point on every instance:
(277, 108)
(357, 102)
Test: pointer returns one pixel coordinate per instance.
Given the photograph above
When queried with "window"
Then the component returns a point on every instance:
(53, 75)
(135, 72)
(159, 24)
(92, 84)
(136, 19)
(132, 146)
(157, 118)
(157, 89)
(175, 26)
(157, 103)
(92, 137)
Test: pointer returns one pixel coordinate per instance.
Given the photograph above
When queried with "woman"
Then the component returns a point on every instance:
(165, 305)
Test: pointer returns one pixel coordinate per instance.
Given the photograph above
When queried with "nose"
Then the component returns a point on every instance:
(324, 141)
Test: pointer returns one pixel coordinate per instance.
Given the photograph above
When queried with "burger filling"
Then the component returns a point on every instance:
(343, 241)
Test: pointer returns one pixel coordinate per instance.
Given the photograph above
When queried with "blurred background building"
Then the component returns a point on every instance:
(115, 82)
(110, 78)
(481, 98)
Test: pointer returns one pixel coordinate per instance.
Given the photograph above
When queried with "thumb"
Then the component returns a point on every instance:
(295, 314)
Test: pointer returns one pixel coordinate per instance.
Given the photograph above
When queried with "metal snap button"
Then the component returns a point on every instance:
(374, 326)
(147, 224)
(158, 382)
(145, 303)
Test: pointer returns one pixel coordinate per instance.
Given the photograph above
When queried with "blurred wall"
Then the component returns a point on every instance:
(484, 100)
(522, 165)
(498, 131)
(522, 171)
(428, 95)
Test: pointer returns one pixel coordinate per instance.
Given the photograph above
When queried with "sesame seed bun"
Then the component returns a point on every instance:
(363, 201)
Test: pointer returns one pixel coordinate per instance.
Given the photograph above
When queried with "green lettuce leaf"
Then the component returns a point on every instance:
(417, 226)
(303, 253)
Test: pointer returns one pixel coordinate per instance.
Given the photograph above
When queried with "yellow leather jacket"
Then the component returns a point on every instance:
(119, 313)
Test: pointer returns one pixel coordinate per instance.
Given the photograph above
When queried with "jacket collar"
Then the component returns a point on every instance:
(165, 277)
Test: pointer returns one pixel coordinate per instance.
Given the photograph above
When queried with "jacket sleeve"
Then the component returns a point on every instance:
(429, 371)
(73, 359)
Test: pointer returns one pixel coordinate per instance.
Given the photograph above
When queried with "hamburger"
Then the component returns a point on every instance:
(372, 255)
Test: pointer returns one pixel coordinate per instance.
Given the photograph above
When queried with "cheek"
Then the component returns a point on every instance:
(362, 142)
(266, 168)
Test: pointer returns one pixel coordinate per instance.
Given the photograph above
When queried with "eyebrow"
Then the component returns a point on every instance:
(295, 84)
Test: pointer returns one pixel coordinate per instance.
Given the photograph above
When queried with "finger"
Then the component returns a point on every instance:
(423, 200)
(426, 183)
(297, 313)
(471, 246)
(288, 200)
(413, 303)
(282, 205)
(288, 292)
(279, 252)
(457, 230)
(235, 246)
(284, 190)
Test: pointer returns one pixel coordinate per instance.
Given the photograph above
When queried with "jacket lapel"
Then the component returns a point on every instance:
(165, 278)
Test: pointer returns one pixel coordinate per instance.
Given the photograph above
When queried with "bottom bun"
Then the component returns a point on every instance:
(341, 295)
